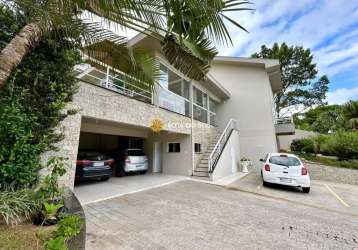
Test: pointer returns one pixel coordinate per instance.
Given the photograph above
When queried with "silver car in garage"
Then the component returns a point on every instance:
(132, 160)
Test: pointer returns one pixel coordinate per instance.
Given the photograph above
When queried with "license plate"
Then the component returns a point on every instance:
(286, 180)
(139, 166)
(98, 164)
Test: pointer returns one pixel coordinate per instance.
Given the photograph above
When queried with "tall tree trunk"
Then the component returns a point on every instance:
(12, 55)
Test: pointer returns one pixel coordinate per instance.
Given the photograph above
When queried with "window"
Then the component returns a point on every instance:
(197, 147)
(200, 112)
(212, 112)
(171, 81)
(174, 94)
(212, 105)
(135, 152)
(200, 98)
(173, 147)
(284, 160)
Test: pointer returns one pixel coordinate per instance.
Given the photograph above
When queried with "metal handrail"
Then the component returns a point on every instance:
(219, 146)
(108, 82)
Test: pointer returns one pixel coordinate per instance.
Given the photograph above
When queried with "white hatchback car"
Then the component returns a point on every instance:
(285, 169)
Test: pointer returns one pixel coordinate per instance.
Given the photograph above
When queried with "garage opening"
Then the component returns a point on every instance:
(101, 156)
(104, 145)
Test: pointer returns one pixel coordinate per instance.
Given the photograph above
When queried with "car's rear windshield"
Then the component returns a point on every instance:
(284, 160)
(135, 152)
(91, 156)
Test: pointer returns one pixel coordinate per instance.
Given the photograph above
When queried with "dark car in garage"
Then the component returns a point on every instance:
(93, 165)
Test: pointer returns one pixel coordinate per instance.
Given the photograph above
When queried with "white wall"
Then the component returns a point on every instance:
(251, 104)
(172, 163)
(286, 140)
(224, 166)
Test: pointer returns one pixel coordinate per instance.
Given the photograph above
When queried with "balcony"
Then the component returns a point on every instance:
(173, 97)
(284, 126)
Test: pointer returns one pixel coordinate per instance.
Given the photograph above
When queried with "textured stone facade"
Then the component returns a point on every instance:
(99, 103)
(203, 134)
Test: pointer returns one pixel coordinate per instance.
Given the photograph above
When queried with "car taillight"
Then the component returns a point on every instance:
(83, 163)
(304, 171)
(128, 160)
(267, 167)
(110, 162)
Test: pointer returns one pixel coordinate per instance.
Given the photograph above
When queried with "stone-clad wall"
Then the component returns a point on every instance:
(203, 134)
(99, 103)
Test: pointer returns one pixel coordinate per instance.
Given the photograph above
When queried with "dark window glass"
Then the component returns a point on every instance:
(173, 147)
(91, 156)
(197, 147)
(135, 152)
(285, 161)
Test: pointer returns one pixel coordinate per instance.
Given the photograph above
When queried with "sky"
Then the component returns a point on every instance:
(328, 27)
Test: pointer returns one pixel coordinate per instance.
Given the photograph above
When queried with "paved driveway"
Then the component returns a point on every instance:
(326, 195)
(194, 215)
(94, 191)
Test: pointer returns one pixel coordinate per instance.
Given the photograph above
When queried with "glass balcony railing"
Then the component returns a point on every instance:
(200, 113)
(117, 82)
(173, 102)
(121, 83)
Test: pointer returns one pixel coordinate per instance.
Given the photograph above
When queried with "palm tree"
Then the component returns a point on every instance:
(350, 111)
(187, 29)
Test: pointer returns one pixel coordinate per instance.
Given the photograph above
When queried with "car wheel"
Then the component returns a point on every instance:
(143, 172)
(265, 184)
(306, 190)
(105, 178)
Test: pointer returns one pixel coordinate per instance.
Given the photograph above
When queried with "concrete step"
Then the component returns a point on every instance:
(202, 169)
(204, 160)
(203, 165)
(201, 178)
(201, 174)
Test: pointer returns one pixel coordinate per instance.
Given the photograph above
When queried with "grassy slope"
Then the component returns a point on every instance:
(23, 236)
(331, 162)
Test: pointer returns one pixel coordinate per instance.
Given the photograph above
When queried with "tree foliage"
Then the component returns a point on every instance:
(342, 144)
(298, 75)
(350, 111)
(32, 103)
(191, 27)
(329, 118)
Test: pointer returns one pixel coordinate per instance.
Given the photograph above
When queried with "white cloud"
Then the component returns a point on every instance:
(325, 26)
(342, 95)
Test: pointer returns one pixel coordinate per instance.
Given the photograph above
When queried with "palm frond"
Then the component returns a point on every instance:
(183, 58)
(138, 65)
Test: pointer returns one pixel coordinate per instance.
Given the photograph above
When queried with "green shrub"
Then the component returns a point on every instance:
(304, 145)
(16, 205)
(331, 162)
(19, 156)
(32, 102)
(57, 243)
(344, 145)
(69, 226)
(318, 143)
(48, 188)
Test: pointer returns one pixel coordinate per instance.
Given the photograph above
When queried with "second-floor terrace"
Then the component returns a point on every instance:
(173, 92)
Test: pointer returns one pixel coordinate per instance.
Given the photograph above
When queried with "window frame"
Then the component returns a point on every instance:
(200, 148)
(174, 148)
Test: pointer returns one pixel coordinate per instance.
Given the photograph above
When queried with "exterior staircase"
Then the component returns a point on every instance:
(212, 153)
(201, 171)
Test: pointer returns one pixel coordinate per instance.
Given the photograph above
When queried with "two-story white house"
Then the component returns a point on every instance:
(207, 126)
